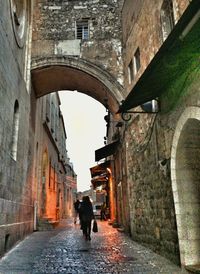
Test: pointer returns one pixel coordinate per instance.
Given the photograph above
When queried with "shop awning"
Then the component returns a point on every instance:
(106, 151)
(99, 174)
(99, 169)
(96, 184)
(100, 180)
(177, 55)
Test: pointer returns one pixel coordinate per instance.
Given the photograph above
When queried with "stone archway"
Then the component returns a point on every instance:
(50, 74)
(185, 172)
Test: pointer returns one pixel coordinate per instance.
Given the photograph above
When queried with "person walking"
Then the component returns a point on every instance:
(87, 214)
(76, 210)
(103, 212)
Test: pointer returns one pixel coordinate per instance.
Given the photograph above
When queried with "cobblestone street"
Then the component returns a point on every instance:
(64, 250)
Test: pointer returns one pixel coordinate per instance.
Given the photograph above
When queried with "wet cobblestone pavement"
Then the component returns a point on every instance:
(64, 250)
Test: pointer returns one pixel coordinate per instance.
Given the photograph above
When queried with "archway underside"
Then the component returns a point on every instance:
(55, 77)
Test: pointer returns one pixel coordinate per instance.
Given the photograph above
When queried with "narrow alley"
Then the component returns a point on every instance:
(139, 61)
(64, 250)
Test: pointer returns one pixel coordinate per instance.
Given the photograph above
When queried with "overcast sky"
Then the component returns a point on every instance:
(85, 127)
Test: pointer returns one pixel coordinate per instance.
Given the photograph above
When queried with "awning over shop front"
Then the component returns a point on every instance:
(99, 169)
(178, 54)
(106, 151)
(99, 174)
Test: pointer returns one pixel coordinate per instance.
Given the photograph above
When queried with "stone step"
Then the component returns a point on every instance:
(45, 224)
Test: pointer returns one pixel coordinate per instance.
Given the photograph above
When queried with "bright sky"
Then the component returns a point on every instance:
(85, 127)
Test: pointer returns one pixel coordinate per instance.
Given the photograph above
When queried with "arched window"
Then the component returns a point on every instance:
(15, 130)
(19, 19)
(167, 18)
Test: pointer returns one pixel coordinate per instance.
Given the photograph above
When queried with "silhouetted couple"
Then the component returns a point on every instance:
(86, 215)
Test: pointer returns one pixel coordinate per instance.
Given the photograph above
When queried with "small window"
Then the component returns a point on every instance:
(82, 30)
(15, 131)
(47, 108)
(130, 72)
(19, 19)
(167, 18)
(53, 117)
(137, 61)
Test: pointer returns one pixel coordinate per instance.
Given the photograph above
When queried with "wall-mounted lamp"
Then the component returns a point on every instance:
(150, 107)
(164, 166)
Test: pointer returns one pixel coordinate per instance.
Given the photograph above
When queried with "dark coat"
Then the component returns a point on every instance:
(86, 211)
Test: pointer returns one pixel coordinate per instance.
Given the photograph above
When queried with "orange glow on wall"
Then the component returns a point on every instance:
(111, 195)
(51, 194)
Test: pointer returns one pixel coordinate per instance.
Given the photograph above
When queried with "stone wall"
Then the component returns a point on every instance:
(51, 159)
(151, 201)
(141, 27)
(54, 32)
(148, 138)
(16, 205)
(22, 133)
(163, 213)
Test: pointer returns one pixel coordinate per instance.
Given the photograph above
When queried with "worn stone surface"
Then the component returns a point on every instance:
(143, 179)
(66, 251)
(15, 184)
(55, 30)
(148, 139)
(143, 30)
(20, 179)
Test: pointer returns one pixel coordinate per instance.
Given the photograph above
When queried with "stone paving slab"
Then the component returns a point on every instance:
(64, 250)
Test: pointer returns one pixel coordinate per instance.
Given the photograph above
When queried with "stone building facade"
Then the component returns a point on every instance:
(16, 191)
(91, 32)
(52, 189)
(33, 158)
(160, 62)
(80, 52)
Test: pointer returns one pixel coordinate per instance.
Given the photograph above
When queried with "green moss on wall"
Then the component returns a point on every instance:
(181, 66)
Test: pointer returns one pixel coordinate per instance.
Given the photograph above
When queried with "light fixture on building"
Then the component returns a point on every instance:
(150, 107)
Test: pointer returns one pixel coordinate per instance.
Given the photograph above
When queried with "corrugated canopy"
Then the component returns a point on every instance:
(175, 57)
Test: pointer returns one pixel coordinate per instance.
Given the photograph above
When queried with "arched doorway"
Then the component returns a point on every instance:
(185, 172)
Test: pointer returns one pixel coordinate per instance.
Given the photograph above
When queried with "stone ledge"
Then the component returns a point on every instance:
(193, 268)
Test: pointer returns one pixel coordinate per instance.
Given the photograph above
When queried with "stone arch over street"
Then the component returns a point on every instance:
(50, 74)
(185, 159)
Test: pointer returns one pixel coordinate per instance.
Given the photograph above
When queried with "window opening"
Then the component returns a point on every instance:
(15, 131)
(19, 19)
(52, 117)
(130, 72)
(82, 30)
(6, 242)
(137, 64)
(167, 18)
(48, 108)
(50, 171)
